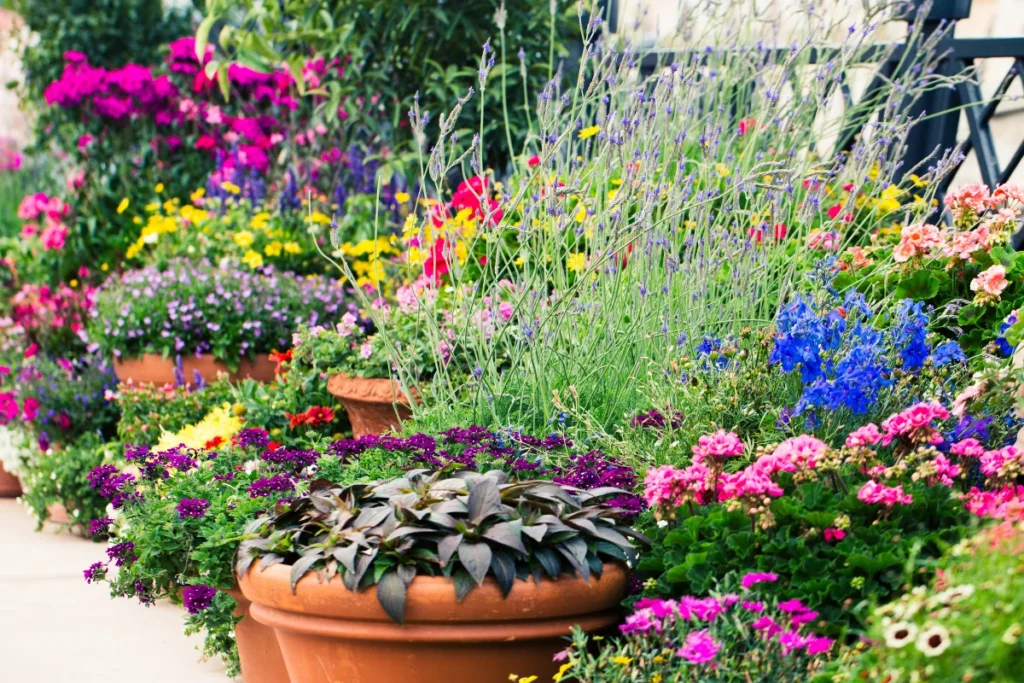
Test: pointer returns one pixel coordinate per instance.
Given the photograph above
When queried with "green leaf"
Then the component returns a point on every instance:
(970, 315)
(203, 36)
(507, 534)
(922, 285)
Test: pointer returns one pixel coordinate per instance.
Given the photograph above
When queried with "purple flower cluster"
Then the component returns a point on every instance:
(110, 483)
(296, 458)
(197, 598)
(199, 308)
(97, 571)
(192, 507)
(267, 486)
(251, 437)
(99, 526)
(594, 470)
(654, 419)
(122, 553)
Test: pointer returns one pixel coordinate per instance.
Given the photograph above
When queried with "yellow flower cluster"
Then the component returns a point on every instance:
(219, 422)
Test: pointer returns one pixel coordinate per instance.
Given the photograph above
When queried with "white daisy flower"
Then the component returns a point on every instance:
(899, 633)
(934, 640)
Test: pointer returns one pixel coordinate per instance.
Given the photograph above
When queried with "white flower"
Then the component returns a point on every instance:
(662, 523)
(934, 640)
(899, 633)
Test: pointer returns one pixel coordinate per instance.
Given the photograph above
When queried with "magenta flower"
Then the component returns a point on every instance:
(699, 648)
(721, 444)
(874, 493)
(817, 645)
(758, 577)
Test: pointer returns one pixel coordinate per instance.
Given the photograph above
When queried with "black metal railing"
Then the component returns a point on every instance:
(936, 132)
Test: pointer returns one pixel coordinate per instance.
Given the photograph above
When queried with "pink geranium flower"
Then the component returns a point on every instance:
(699, 648)
(991, 281)
(874, 493)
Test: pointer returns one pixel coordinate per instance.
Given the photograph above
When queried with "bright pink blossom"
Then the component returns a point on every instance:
(874, 493)
(699, 647)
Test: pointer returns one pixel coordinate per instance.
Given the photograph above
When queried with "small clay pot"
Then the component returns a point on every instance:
(57, 513)
(258, 651)
(374, 406)
(10, 485)
(328, 633)
(152, 368)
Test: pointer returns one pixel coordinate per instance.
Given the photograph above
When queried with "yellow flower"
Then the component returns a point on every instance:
(589, 132)
(252, 259)
(194, 215)
(151, 208)
(461, 253)
(622, 660)
(123, 206)
(561, 671)
(197, 195)
(73, 283)
(105, 267)
(401, 197)
(292, 248)
(875, 171)
(658, 659)
(259, 221)
(244, 239)
(229, 186)
(318, 217)
(137, 221)
(656, 678)
(576, 262)
(723, 170)
(218, 422)
(415, 256)
(528, 679)
(918, 182)
(611, 194)
(159, 188)
(273, 249)
(581, 215)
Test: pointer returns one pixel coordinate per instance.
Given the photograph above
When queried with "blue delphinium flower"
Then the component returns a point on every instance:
(1004, 346)
(946, 353)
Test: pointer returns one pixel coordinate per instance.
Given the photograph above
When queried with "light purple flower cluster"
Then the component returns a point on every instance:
(200, 308)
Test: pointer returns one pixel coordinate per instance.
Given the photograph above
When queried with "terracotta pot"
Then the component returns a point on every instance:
(152, 368)
(374, 406)
(329, 634)
(258, 650)
(57, 513)
(10, 485)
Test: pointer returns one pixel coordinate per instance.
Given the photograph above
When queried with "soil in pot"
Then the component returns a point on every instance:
(374, 406)
(10, 485)
(329, 634)
(152, 368)
(258, 651)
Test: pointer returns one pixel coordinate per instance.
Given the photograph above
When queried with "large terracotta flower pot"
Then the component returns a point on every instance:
(374, 406)
(57, 513)
(152, 368)
(10, 485)
(329, 634)
(258, 651)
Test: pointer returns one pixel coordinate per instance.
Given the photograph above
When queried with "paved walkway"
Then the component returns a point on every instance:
(56, 629)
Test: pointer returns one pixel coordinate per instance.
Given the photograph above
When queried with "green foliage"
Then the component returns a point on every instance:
(881, 553)
(966, 626)
(147, 411)
(57, 476)
(393, 51)
(458, 524)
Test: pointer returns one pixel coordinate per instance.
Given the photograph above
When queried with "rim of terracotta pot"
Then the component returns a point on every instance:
(431, 599)
(259, 367)
(368, 389)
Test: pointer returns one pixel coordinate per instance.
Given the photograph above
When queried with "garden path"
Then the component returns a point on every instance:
(56, 629)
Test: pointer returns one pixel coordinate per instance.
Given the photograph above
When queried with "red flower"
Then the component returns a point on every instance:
(746, 125)
(280, 357)
(274, 445)
(533, 161)
(205, 142)
(63, 421)
(215, 442)
(436, 264)
(314, 417)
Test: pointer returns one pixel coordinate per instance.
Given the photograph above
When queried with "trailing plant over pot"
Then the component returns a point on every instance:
(462, 525)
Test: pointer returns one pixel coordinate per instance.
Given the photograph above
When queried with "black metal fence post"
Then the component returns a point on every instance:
(933, 136)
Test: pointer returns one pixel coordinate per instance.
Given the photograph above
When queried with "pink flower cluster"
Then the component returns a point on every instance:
(1004, 503)
(990, 283)
(917, 239)
(721, 444)
(41, 307)
(116, 95)
(915, 424)
(1003, 463)
(10, 157)
(874, 493)
(51, 212)
(974, 199)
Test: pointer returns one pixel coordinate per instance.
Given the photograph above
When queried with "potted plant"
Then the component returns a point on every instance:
(215, 319)
(10, 445)
(457, 575)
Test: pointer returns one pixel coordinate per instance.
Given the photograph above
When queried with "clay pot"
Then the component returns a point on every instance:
(152, 368)
(57, 513)
(258, 650)
(374, 406)
(328, 633)
(10, 485)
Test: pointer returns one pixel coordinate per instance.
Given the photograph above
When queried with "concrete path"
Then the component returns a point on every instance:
(54, 628)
